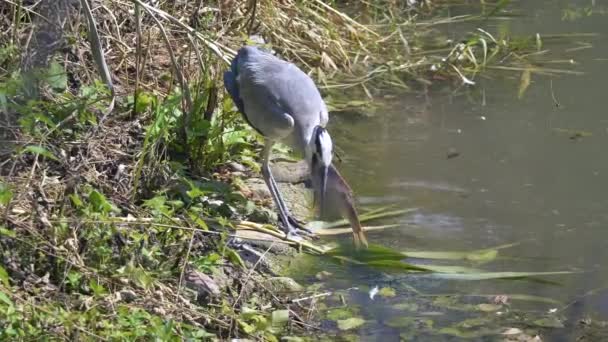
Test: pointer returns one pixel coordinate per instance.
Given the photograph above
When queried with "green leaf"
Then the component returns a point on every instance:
(56, 76)
(76, 201)
(195, 217)
(406, 306)
(100, 202)
(4, 298)
(4, 277)
(401, 322)
(336, 314)
(36, 149)
(98, 289)
(549, 322)
(5, 194)
(74, 278)
(465, 334)
(495, 275)
(372, 253)
(478, 256)
(6, 232)
(143, 101)
(487, 307)
(279, 318)
(387, 292)
(350, 323)
(234, 257)
(396, 266)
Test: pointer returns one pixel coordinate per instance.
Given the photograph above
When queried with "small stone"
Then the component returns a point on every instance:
(283, 284)
(237, 167)
(202, 283)
(126, 296)
(323, 275)
(159, 311)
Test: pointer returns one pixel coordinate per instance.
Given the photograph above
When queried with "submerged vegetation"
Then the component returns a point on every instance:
(123, 189)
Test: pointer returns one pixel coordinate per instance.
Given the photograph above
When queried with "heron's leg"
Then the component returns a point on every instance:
(292, 221)
(274, 191)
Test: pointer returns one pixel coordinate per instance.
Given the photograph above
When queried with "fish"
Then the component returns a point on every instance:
(339, 203)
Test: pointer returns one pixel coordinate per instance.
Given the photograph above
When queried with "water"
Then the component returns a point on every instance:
(517, 174)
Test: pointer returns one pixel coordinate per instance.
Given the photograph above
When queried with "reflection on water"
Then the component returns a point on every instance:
(519, 176)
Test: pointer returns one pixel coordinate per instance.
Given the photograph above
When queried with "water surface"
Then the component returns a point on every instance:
(485, 168)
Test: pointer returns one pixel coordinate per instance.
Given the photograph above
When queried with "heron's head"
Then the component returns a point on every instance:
(321, 149)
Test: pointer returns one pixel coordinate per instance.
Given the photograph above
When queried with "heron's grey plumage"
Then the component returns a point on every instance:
(282, 103)
(276, 97)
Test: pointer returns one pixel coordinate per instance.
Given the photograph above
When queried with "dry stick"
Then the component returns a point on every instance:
(214, 46)
(252, 17)
(180, 78)
(137, 57)
(181, 276)
(324, 294)
(98, 56)
(345, 17)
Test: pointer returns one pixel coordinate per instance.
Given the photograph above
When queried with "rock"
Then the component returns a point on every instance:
(283, 284)
(290, 172)
(258, 188)
(234, 166)
(126, 296)
(297, 198)
(202, 283)
(263, 215)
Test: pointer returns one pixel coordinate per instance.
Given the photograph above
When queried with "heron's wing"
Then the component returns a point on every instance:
(263, 89)
(231, 85)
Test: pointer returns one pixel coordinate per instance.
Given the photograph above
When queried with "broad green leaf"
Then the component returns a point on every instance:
(488, 307)
(336, 314)
(97, 288)
(143, 101)
(400, 322)
(36, 149)
(6, 232)
(4, 298)
(195, 217)
(234, 257)
(406, 306)
(495, 275)
(56, 76)
(280, 318)
(387, 292)
(5, 194)
(549, 322)
(467, 334)
(451, 269)
(372, 253)
(4, 279)
(479, 256)
(350, 323)
(100, 202)
(396, 265)
(76, 201)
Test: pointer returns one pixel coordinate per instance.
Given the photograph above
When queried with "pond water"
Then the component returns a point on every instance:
(517, 173)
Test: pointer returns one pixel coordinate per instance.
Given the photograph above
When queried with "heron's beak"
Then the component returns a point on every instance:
(323, 204)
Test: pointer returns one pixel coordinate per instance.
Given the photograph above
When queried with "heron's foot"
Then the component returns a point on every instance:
(296, 227)
(294, 236)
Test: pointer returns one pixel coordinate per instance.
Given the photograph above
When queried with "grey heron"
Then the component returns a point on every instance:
(282, 103)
